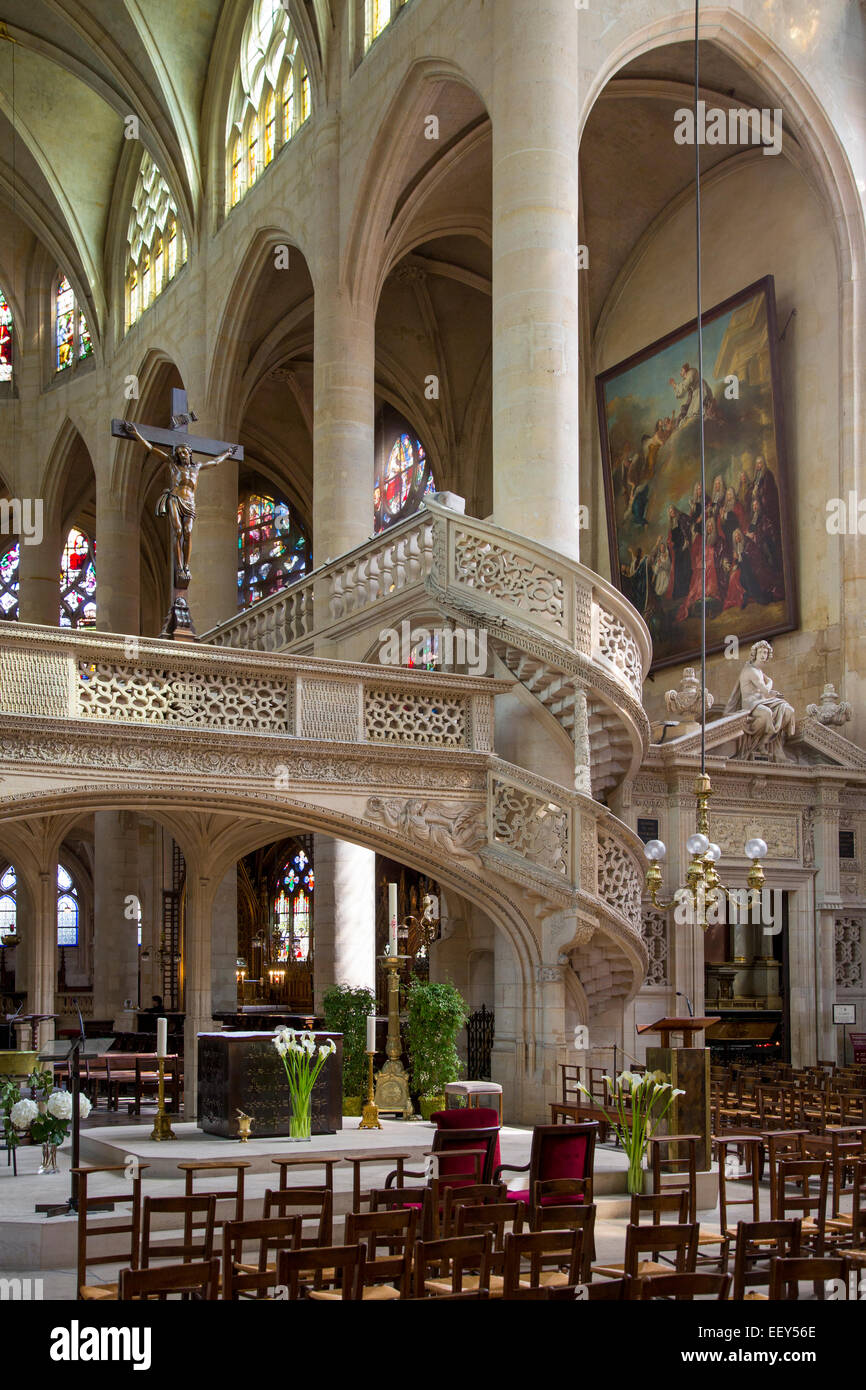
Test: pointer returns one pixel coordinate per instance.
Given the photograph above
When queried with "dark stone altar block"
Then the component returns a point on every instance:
(243, 1071)
(688, 1069)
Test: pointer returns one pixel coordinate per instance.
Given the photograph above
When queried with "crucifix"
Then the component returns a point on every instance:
(177, 501)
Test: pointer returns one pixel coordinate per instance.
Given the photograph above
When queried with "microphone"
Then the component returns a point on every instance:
(680, 995)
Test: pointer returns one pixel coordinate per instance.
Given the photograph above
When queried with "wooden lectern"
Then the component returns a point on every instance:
(688, 1069)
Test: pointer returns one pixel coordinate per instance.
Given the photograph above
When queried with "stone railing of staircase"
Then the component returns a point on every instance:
(559, 627)
(405, 751)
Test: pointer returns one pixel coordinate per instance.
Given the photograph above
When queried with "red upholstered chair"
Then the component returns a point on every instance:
(558, 1151)
(468, 1117)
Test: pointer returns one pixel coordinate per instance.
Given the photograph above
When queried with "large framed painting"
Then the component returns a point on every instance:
(649, 415)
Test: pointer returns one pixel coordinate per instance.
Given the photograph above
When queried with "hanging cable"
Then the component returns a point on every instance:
(701, 403)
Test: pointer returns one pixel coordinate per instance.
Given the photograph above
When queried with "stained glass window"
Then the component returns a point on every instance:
(77, 581)
(270, 69)
(8, 901)
(270, 127)
(272, 549)
(5, 339)
(153, 224)
(65, 325)
(293, 909)
(71, 334)
(289, 105)
(9, 583)
(67, 909)
(378, 15)
(405, 480)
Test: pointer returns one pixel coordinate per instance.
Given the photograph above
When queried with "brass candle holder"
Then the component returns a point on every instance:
(162, 1124)
(392, 1083)
(370, 1114)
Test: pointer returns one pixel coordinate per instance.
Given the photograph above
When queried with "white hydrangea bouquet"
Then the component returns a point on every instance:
(303, 1059)
(640, 1104)
(48, 1120)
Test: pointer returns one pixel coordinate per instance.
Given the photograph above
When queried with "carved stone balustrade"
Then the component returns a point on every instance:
(564, 632)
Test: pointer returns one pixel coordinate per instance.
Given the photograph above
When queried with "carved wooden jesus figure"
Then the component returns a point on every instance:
(177, 502)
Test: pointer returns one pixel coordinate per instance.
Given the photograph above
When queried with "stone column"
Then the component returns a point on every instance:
(343, 380)
(213, 592)
(39, 577)
(224, 943)
(198, 977)
(508, 1061)
(41, 963)
(344, 916)
(582, 747)
(536, 381)
(115, 929)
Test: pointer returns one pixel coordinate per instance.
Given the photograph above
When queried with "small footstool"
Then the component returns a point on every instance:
(472, 1090)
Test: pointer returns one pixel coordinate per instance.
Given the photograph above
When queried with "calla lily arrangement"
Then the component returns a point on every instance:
(303, 1059)
(640, 1103)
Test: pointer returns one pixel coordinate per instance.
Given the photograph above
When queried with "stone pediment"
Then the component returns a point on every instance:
(813, 745)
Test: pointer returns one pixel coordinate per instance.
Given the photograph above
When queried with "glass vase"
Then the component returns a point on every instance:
(49, 1159)
(300, 1122)
(635, 1177)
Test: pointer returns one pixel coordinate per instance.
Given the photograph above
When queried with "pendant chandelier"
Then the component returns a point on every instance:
(704, 894)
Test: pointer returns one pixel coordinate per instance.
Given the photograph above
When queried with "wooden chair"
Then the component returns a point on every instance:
(786, 1275)
(198, 1179)
(465, 1155)
(198, 1279)
(444, 1265)
(357, 1161)
(310, 1204)
(683, 1286)
(558, 1151)
(674, 1163)
(810, 1179)
(88, 1231)
(680, 1241)
(570, 1218)
(554, 1260)
(758, 1244)
(387, 1276)
(788, 1143)
(306, 1273)
(752, 1148)
(657, 1203)
(242, 1279)
(452, 1199)
(288, 1164)
(847, 1230)
(198, 1236)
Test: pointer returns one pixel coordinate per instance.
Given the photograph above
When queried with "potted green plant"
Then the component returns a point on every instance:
(437, 1012)
(346, 1011)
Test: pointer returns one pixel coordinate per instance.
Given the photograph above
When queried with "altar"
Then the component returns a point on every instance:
(242, 1071)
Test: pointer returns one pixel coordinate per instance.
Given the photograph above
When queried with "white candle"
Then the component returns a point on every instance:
(162, 1037)
(371, 1032)
(392, 918)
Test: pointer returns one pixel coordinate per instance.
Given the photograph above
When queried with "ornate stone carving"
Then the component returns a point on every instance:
(616, 643)
(529, 826)
(686, 699)
(34, 682)
(654, 930)
(221, 700)
(508, 576)
(731, 832)
(830, 710)
(454, 827)
(808, 837)
(618, 881)
(406, 716)
(849, 952)
(330, 710)
(771, 719)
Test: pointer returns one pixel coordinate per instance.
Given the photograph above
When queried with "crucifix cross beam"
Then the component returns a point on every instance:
(181, 418)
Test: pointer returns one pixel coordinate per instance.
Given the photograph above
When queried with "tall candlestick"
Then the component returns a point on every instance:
(162, 1037)
(371, 1032)
(392, 919)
